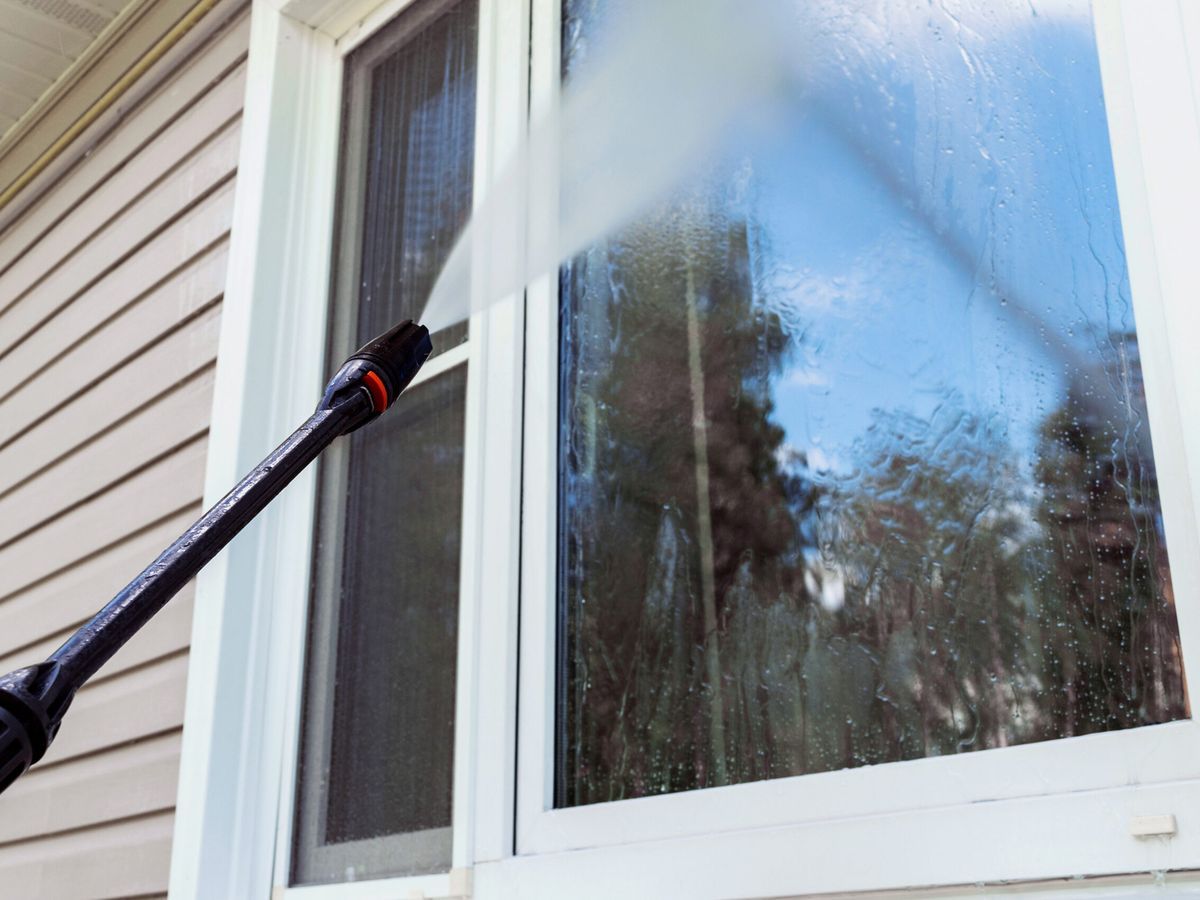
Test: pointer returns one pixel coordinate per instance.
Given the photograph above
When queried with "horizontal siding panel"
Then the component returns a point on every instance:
(136, 705)
(164, 635)
(215, 112)
(187, 237)
(112, 456)
(24, 306)
(178, 356)
(132, 781)
(67, 598)
(111, 283)
(123, 337)
(163, 488)
(140, 125)
(151, 277)
(122, 859)
(177, 247)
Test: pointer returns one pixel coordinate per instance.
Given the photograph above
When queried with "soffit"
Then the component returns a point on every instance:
(133, 28)
(39, 40)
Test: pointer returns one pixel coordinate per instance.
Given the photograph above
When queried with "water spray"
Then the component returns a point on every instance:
(34, 700)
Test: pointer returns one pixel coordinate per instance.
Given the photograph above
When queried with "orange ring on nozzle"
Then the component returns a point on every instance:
(379, 394)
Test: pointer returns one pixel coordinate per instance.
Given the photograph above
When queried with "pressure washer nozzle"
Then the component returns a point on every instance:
(397, 355)
(385, 366)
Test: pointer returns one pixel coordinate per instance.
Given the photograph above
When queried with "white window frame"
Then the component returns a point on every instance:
(1050, 810)
(237, 776)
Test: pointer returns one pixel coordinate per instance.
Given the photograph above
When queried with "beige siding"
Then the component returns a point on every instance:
(102, 453)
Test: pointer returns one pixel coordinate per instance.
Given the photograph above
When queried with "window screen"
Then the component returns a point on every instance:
(375, 779)
(854, 450)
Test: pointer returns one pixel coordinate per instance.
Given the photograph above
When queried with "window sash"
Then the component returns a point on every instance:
(1043, 775)
(319, 799)
(233, 822)
(501, 41)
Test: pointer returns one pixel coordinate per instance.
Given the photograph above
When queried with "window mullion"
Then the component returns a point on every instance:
(492, 512)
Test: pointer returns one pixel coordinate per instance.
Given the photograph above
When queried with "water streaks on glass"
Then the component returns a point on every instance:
(855, 457)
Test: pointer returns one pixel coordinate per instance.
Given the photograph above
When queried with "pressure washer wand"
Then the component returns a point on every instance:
(33, 700)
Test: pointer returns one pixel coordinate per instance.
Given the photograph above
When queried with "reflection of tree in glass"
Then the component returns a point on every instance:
(1106, 604)
(926, 535)
(731, 617)
(648, 580)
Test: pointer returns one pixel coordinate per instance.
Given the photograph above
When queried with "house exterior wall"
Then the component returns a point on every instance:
(1034, 814)
(111, 282)
(121, 255)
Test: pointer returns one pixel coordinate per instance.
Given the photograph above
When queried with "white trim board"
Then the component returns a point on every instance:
(268, 378)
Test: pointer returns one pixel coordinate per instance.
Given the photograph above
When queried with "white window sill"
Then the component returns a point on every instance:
(453, 885)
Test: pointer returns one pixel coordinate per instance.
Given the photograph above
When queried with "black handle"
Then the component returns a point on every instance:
(33, 700)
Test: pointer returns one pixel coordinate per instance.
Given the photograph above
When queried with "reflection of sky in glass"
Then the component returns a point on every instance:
(939, 222)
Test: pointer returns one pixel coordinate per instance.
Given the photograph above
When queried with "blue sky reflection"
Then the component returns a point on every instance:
(939, 222)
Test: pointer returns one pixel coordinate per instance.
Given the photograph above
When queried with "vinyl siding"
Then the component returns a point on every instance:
(110, 302)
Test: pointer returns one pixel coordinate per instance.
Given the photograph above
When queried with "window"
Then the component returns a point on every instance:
(856, 461)
(855, 525)
(375, 781)
(828, 529)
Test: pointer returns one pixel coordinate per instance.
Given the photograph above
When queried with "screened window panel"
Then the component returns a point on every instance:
(855, 461)
(375, 782)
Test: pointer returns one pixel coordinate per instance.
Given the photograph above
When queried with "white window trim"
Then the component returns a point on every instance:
(1037, 811)
(233, 822)
(987, 816)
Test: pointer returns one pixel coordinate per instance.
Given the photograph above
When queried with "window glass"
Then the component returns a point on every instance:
(855, 464)
(375, 780)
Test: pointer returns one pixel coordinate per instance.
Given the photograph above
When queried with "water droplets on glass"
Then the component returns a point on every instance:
(855, 458)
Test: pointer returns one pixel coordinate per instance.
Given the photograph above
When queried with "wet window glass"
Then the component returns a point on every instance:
(855, 464)
(376, 764)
